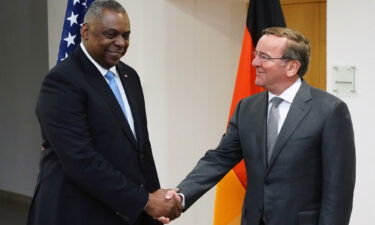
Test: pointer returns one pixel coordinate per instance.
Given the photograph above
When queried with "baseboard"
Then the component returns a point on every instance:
(15, 198)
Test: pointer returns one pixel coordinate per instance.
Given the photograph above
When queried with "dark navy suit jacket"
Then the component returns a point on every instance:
(92, 169)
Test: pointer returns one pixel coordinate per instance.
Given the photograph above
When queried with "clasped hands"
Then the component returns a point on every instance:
(164, 205)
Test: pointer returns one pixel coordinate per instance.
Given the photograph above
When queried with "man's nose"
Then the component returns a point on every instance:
(121, 41)
(256, 62)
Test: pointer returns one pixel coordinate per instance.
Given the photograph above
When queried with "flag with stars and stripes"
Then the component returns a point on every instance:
(71, 37)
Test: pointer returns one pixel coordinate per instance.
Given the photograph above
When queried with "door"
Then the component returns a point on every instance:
(309, 18)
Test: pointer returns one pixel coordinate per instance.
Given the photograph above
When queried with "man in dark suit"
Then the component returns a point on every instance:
(297, 142)
(96, 164)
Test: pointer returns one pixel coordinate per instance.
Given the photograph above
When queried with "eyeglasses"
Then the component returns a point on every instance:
(264, 58)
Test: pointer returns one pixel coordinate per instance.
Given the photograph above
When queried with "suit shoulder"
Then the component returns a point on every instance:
(126, 66)
(325, 103)
(67, 68)
(67, 73)
(253, 99)
(249, 103)
(128, 69)
(324, 98)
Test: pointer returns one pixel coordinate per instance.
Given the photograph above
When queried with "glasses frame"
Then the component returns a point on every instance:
(264, 58)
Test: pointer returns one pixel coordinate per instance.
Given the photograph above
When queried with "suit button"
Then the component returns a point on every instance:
(142, 186)
(141, 156)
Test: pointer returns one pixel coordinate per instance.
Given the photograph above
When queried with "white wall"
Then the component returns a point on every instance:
(350, 41)
(186, 52)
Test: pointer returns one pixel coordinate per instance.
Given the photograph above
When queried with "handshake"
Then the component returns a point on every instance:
(164, 205)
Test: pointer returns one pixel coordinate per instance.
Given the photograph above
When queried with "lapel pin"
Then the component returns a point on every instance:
(125, 75)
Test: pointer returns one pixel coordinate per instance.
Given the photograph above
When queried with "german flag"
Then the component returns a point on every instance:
(231, 189)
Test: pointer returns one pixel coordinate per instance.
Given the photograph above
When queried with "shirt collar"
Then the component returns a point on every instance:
(289, 94)
(101, 69)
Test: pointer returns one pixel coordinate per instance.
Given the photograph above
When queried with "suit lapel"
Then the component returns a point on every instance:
(260, 122)
(97, 81)
(131, 94)
(297, 112)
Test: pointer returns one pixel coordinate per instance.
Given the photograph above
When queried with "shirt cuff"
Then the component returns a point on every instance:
(183, 200)
(147, 201)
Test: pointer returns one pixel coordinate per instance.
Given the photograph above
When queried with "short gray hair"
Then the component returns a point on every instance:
(298, 46)
(95, 10)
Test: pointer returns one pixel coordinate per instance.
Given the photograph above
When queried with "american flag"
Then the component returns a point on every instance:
(71, 37)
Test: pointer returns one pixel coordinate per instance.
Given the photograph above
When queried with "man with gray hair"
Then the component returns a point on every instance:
(96, 164)
(297, 143)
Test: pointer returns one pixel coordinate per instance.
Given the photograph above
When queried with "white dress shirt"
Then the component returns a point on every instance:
(287, 96)
(104, 71)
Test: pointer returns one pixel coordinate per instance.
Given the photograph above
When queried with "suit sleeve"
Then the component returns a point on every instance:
(214, 164)
(61, 113)
(338, 153)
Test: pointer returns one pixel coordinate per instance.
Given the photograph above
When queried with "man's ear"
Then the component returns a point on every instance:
(84, 32)
(293, 67)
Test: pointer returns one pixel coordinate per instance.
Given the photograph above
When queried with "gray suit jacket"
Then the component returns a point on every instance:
(311, 175)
